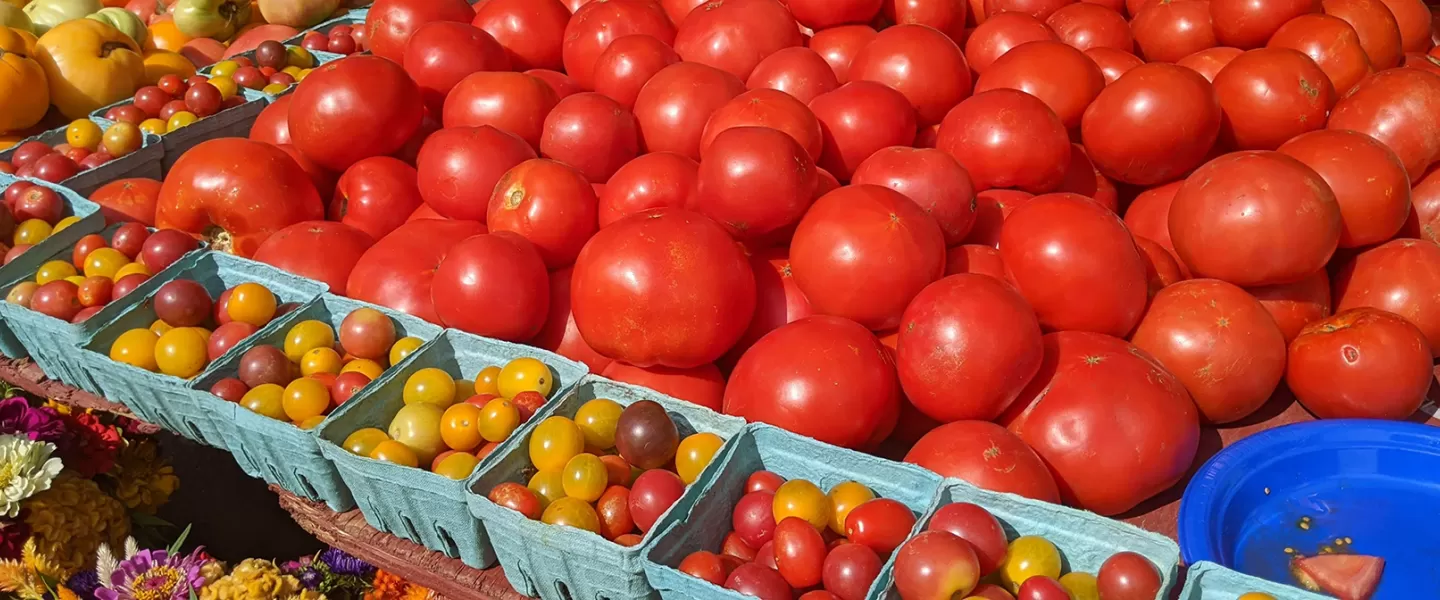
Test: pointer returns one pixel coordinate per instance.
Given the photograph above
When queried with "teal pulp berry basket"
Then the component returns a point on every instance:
(763, 447)
(557, 562)
(1085, 539)
(414, 503)
(279, 452)
(166, 400)
(1208, 581)
(231, 122)
(145, 162)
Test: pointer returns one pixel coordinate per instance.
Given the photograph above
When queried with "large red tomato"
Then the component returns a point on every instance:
(354, 108)
(323, 179)
(1295, 305)
(513, 102)
(974, 258)
(919, 62)
(548, 203)
(1246, 24)
(1149, 213)
(1007, 139)
(988, 456)
(735, 35)
(991, 209)
(325, 251)
(1059, 75)
(1076, 264)
(677, 10)
(390, 23)
(1107, 456)
(629, 62)
(1086, 25)
(745, 163)
(821, 14)
(664, 287)
(1170, 31)
(592, 133)
(800, 72)
(1375, 25)
(1369, 182)
(441, 53)
(997, 35)
(234, 193)
(1219, 342)
(839, 45)
(1331, 43)
(273, 124)
(872, 234)
(1401, 109)
(494, 285)
(563, 84)
(929, 177)
(375, 195)
(857, 119)
(778, 300)
(968, 344)
(1210, 61)
(675, 104)
(655, 180)
(1255, 218)
(596, 24)
(1270, 95)
(767, 108)
(1113, 63)
(1161, 266)
(702, 385)
(531, 31)
(947, 16)
(559, 335)
(1152, 125)
(1400, 276)
(458, 168)
(823, 377)
(1414, 20)
(1040, 9)
(399, 270)
(1424, 220)
(127, 200)
(1081, 177)
(1362, 363)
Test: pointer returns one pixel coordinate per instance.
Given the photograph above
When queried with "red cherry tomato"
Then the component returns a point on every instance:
(754, 519)
(653, 493)
(763, 481)
(850, 570)
(1128, 576)
(799, 552)
(976, 525)
(936, 564)
(735, 547)
(880, 524)
(1043, 587)
(753, 579)
(706, 565)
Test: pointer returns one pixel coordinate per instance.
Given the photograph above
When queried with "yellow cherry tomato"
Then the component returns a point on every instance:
(498, 419)
(274, 88)
(134, 268)
(320, 360)
(392, 451)
(180, 120)
(585, 477)
(464, 389)
(597, 420)
(305, 398)
(252, 303)
(1027, 557)
(311, 422)
(54, 270)
(136, 348)
(297, 56)
(800, 498)
(418, 426)
(844, 497)
(83, 133)
(160, 327)
(122, 138)
(306, 336)
(694, 454)
(430, 385)
(572, 512)
(1255, 596)
(460, 427)
(76, 279)
(457, 466)
(32, 231)
(1081, 585)
(105, 262)
(154, 126)
(362, 441)
(554, 442)
(303, 74)
(266, 399)
(292, 70)
(488, 381)
(404, 347)
(369, 367)
(548, 486)
(224, 68)
(226, 85)
(525, 374)
(64, 223)
(181, 352)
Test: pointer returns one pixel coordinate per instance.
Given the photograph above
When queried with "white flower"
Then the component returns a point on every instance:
(26, 468)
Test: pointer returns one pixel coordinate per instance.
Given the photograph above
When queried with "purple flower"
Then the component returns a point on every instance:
(341, 563)
(17, 417)
(154, 575)
(84, 584)
(310, 578)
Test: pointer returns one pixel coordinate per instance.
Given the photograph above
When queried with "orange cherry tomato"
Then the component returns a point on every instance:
(800, 498)
(362, 441)
(395, 452)
(252, 303)
(460, 427)
(306, 398)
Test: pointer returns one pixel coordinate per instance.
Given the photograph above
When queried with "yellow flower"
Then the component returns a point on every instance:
(70, 520)
(255, 579)
(416, 592)
(30, 555)
(64, 593)
(143, 482)
(21, 580)
(212, 571)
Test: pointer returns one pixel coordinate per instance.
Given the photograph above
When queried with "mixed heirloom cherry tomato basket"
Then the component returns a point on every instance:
(120, 151)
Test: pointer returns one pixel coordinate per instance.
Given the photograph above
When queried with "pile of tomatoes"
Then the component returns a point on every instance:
(613, 470)
(790, 535)
(190, 326)
(340, 39)
(86, 146)
(450, 424)
(275, 67)
(30, 214)
(175, 102)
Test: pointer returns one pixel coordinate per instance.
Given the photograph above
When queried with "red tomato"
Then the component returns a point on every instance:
(763, 481)
(1414, 20)
(991, 209)
(236, 193)
(976, 525)
(511, 102)
(1424, 219)
(1411, 128)
(493, 285)
(745, 162)
(800, 72)
(1170, 31)
(988, 591)
(702, 385)
(1362, 363)
(592, 133)
(354, 108)
(767, 108)
(1368, 179)
(1375, 25)
(1210, 61)
(706, 565)
(375, 195)
(559, 334)
(1152, 125)
(1056, 73)
(820, 14)
(947, 16)
(1400, 276)
(796, 378)
(1255, 218)
(227, 336)
(322, 178)
(839, 45)
(1110, 457)
(968, 344)
(735, 35)
(799, 552)
(754, 579)
(1295, 305)
(675, 104)
(936, 564)
(1128, 576)
(858, 119)
(628, 63)
(997, 35)
(655, 180)
(1113, 63)
(390, 23)
(985, 455)
(653, 494)
(1331, 43)
(638, 297)
(1086, 25)
(974, 258)
(596, 24)
(130, 238)
(273, 124)
(930, 178)
(880, 524)
(1030, 151)
(1244, 24)
(850, 570)
(563, 85)
(736, 548)
(1081, 177)
(548, 203)
(677, 10)
(1040, 9)
(1161, 267)
(59, 299)
(1149, 214)
(398, 271)
(441, 53)
(1269, 96)
(1043, 587)
(778, 300)
(753, 517)
(531, 31)
(128, 200)
(321, 250)
(919, 62)
(458, 168)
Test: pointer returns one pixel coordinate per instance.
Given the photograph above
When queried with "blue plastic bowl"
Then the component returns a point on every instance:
(1303, 486)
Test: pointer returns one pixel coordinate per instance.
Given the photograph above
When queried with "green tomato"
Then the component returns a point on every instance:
(216, 19)
(45, 14)
(127, 22)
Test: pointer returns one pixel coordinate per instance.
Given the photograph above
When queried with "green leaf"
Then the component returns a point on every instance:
(175, 547)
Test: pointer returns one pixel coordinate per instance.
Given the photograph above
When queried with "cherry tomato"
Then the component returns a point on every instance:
(522, 375)
(430, 385)
(548, 486)
(976, 525)
(457, 466)
(614, 509)
(763, 481)
(252, 303)
(800, 498)
(882, 524)
(105, 262)
(487, 381)
(554, 442)
(620, 471)
(654, 492)
(363, 441)
(497, 419)
(754, 518)
(572, 512)
(518, 498)
(418, 427)
(936, 564)
(395, 452)
(460, 427)
(305, 398)
(645, 436)
(181, 352)
(694, 454)
(318, 360)
(585, 477)
(136, 348)
(1128, 576)
(706, 565)
(850, 570)
(1030, 556)
(799, 552)
(269, 400)
(306, 336)
(597, 421)
(736, 547)
(753, 579)
(845, 497)
(1080, 585)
